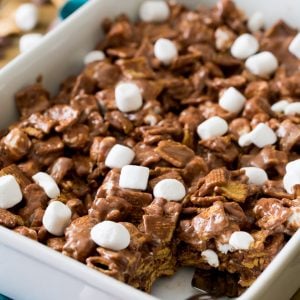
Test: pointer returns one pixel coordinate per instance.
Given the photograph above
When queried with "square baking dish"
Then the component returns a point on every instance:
(29, 270)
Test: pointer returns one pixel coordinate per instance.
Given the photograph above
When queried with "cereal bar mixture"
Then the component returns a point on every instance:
(177, 145)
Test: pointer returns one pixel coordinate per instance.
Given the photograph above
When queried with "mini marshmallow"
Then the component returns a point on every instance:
(10, 192)
(47, 183)
(232, 100)
(262, 135)
(245, 140)
(280, 106)
(293, 166)
(26, 16)
(212, 127)
(210, 257)
(256, 22)
(134, 177)
(294, 219)
(244, 46)
(224, 248)
(290, 179)
(169, 189)
(119, 156)
(292, 109)
(165, 51)
(241, 240)
(154, 11)
(294, 46)
(128, 97)
(255, 175)
(111, 235)
(262, 64)
(94, 56)
(57, 217)
(29, 41)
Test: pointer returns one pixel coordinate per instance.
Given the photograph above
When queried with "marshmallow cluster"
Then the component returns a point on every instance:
(93, 56)
(26, 16)
(119, 156)
(262, 64)
(261, 136)
(256, 22)
(57, 217)
(211, 257)
(292, 175)
(292, 109)
(165, 51)
(128, 97)
(255, 175)
(169, 189)
(294, 46)
(244, 46)
(111, 235)
(47, 183)
(134, 177)
(280, 106)
(241, 240)
(212, 127)
(232, 100)
(29, 41)
(154, 11)
(10, 192)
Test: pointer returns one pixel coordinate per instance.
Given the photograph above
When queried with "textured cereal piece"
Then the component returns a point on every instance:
(101, 147)
(86, 104)
(76, 187)
(289, 134)
(64, 115)
(233, 190)
(111, 208)
(17, 143)
(60, 168)
(41, 122)
(119, 121)
(145, 155)
(83, 165)
(21, 178)
(77, 208)
(174, 153)
(271, 214)
(32, 99)
(79, 244)
(56, 243)
(29, 167)
(76, 136)
(121, 52)
(83, 84)
(25, 231)
(10, 220)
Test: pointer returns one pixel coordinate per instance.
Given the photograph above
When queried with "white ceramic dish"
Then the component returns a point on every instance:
(29, 270)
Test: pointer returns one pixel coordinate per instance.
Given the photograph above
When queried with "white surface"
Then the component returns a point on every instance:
(294, 46)
(256, 175)
(262, 135)
(292, 109)
(134, 177)
(94, 56)
(244, 46)
(119, 156)
(240, 240)
(29, 41)
(256, 21)
(57, 217)
(154, 11)
(232, 100)
(111, 235)
(54, 276)
(47, 183)
(280, 105)
(169, 189)
(211, 257)
(165, 51)
(26, 16)
(212, 127)
(10, 192)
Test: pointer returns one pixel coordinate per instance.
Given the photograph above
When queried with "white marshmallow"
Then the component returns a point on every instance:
(57, 217)
(262, 135)
(212, 127)
(245, 140)
(94, 56)
(293, 166)
(255, 175)
(244, 46)
(128, 97)
(134, 177)
(169, 189)
(26, 16)
(119, 156)
(290, 179)
(165, 51)
(47, 183)
(262, 64)
(111, 235)
(294, 46)
(154, 11)
(210, 257)
(10, 192)
(292, 109)
(223, 39)
(280, 106)
(294, 219)
(224, 248)
(232, 100)
(29, 41)
(241, 240)
(256, 22)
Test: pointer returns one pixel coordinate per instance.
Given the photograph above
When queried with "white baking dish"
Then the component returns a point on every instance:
(29, 270)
